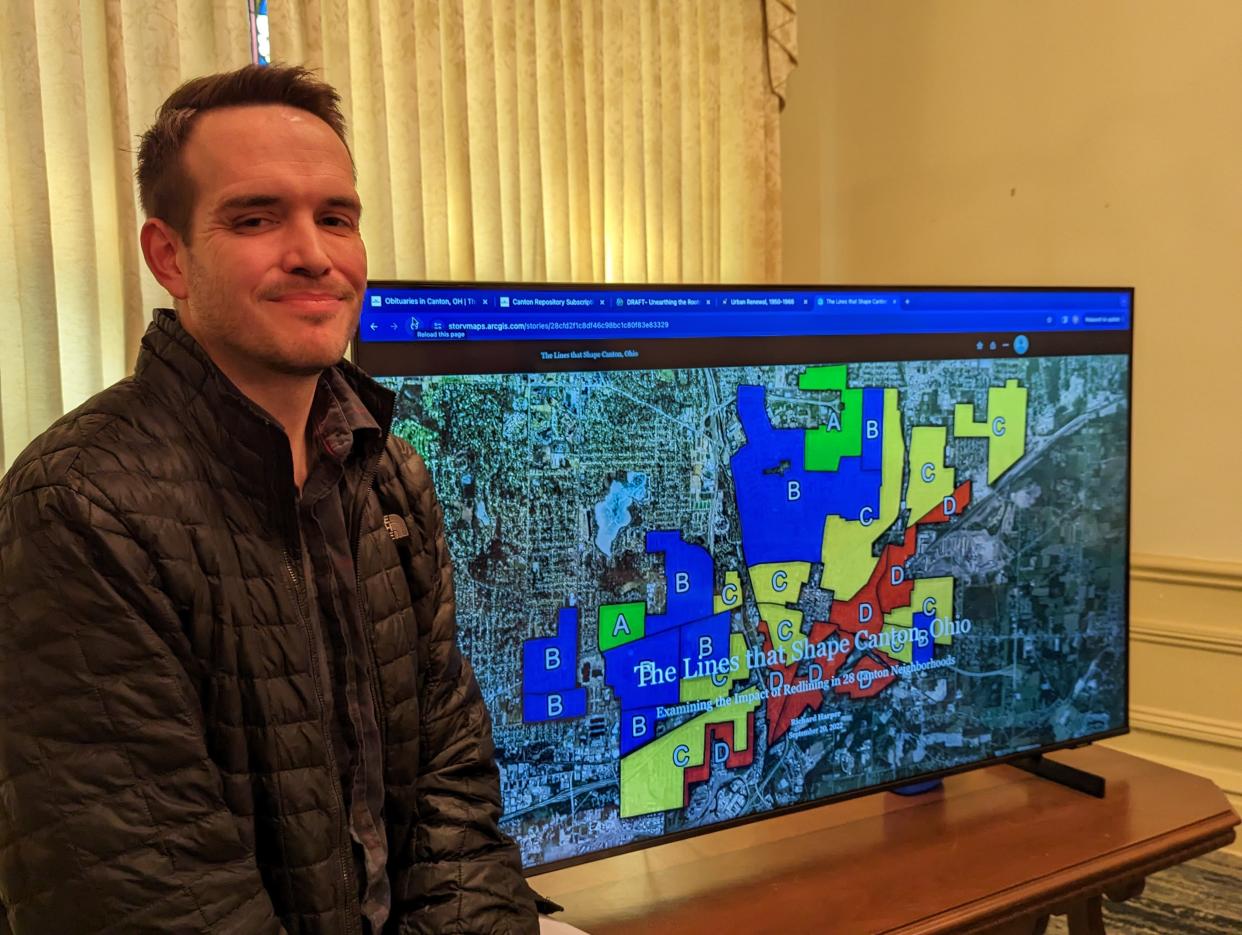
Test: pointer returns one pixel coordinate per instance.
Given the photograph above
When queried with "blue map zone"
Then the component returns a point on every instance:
(781, 504)
(687, 630)
(873, 443)
(919, 653)
(550, 690)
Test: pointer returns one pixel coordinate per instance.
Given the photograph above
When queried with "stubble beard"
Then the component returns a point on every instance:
(218, 328)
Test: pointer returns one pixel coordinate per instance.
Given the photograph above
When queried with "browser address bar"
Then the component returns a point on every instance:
(621, 324)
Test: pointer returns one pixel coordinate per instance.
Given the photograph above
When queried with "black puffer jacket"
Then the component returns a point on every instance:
(163, 747)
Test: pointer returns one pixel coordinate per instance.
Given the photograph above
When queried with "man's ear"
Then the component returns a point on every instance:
(162, 249)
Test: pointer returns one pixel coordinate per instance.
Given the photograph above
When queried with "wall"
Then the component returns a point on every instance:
(945, 141)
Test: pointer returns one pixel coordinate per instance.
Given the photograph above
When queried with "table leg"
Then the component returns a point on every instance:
(1086, 917)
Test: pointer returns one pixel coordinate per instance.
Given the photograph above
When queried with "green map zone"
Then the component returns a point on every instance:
(696, 595)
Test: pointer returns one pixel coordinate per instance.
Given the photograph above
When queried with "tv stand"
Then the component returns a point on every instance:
(1059, 772)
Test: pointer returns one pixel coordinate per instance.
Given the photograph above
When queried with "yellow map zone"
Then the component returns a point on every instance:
(777, 584)
(784, 625)
(930, 596)
(1004, 427)
(653, 776)
(930, 480)
(847, 550)
(730, 596)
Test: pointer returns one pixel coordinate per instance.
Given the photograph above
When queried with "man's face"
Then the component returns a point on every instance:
(275, 266)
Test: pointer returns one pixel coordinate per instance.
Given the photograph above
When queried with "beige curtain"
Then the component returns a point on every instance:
(615, 140)
(583, 140)
(79, 80)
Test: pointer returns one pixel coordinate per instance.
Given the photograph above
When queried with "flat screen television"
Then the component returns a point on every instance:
(726, 552)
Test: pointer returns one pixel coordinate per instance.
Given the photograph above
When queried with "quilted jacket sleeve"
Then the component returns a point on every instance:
(112, 815)
(468, 876)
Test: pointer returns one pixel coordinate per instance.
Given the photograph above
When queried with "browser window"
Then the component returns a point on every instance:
(726, 552)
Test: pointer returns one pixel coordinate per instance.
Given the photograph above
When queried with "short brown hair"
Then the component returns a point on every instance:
(166, 189)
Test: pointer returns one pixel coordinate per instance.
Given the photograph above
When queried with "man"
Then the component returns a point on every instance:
(230, 695)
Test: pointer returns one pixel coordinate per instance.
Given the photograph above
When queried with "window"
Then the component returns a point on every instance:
(260, 42)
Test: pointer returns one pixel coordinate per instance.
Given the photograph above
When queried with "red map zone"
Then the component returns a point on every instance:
(884, 597)
(723, 732)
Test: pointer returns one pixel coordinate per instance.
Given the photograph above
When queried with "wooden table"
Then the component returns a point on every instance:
(994, 850)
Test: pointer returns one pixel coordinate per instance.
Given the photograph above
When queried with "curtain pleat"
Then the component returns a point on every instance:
(709, 79)
(483, 140)
(553, 149)
(508, 141)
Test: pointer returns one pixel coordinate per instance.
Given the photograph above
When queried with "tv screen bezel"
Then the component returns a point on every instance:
(358, 355)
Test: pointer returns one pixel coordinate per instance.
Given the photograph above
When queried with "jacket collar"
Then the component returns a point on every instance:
(236, 430)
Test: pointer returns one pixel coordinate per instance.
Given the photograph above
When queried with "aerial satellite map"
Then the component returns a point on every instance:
(696, 595)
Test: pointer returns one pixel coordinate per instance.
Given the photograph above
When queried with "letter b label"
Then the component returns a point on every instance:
(551, 658)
